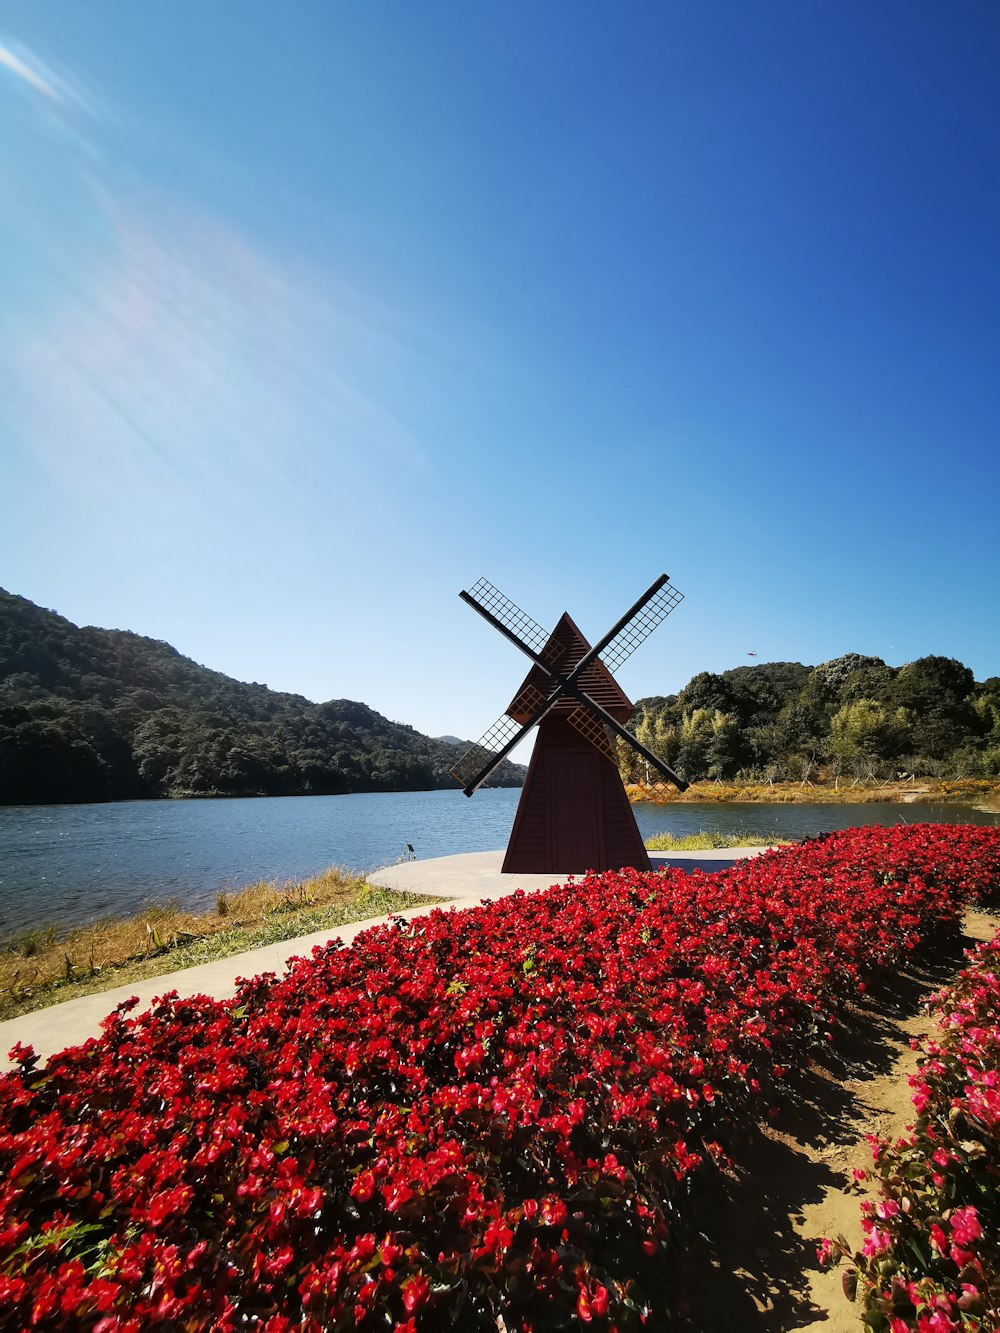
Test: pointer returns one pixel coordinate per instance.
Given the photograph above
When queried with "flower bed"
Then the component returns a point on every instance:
(498, 1112)
(931, 1257)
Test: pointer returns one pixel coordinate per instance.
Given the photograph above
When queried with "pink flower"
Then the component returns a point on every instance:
(965, 1225)
(875, 1242)
(938, 1322)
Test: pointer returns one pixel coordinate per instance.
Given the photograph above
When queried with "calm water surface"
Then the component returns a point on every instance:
(73, 864)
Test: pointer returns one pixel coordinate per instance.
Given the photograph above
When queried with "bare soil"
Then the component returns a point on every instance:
(754, 1266)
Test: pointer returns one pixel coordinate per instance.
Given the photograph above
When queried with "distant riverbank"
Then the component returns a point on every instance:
(979, 793)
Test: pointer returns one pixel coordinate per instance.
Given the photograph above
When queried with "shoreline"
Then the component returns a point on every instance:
(46, 966)
(979, 793)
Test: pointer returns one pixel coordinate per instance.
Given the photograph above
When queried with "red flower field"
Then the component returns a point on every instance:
(496, 1114)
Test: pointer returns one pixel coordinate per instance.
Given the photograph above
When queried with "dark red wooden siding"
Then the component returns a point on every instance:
(566, 645)
(573, 814)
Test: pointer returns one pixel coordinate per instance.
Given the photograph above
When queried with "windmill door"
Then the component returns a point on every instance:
(575, 823)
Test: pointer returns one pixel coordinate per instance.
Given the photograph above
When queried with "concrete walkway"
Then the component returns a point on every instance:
(463, 880)
(477, 874)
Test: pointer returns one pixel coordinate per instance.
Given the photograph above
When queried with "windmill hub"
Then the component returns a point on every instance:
(573, 814)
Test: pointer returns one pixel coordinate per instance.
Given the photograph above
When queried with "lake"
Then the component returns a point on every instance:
(72, 864)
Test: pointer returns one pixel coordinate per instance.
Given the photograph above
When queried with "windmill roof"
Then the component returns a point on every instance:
(564, 648)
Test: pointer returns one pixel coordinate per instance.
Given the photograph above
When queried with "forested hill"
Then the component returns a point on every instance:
(96, 714)
(854, 715)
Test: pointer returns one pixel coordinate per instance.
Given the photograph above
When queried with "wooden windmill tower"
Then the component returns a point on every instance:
(573, 814)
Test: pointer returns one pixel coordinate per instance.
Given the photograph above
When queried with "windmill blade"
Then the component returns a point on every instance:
(479, 760)
(601, 717)
(663, 769)
(507, 617)
(641, 625)
(617, 628)
(592, 729)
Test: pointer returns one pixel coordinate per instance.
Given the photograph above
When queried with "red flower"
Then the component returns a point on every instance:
(416, 1289)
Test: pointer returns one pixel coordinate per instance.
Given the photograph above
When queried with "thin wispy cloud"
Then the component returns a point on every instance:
(191, 361)
(36, 74)
(166, 357)
(29, 72)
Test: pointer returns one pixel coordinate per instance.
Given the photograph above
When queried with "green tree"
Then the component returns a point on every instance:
(707, 690)
(845, 680)
(937, 695)
(864, 730)
(727, 750)
(694, 739)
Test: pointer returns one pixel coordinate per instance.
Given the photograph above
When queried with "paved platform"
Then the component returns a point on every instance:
(460, 881)
(477, 874)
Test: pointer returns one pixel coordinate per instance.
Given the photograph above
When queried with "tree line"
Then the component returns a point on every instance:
(94, 714)
(854, 715)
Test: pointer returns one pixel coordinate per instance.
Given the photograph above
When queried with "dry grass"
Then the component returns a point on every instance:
(42, 966)
(846, 792)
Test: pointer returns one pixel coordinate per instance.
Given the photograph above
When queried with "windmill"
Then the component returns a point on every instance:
(573, 814)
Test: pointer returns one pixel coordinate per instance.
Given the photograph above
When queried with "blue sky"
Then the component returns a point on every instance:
(314, 313)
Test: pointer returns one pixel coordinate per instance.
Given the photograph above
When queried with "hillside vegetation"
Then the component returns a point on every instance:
(854, 716)
(95, 714)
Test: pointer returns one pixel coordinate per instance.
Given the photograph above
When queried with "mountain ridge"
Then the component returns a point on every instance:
(92, 714)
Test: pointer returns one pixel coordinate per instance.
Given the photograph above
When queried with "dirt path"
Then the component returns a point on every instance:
(756, 1266)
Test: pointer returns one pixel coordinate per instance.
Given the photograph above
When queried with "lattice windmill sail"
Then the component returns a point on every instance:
(573, 814)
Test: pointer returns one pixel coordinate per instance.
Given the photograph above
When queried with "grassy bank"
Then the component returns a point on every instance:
(704, 842)
(44, 966)
(984, 794)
